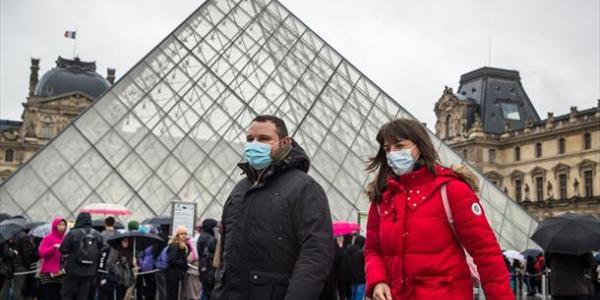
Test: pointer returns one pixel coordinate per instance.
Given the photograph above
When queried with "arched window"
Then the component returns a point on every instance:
(538, 149)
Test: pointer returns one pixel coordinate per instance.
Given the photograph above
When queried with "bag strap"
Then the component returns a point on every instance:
(470, 262)
(448, 210)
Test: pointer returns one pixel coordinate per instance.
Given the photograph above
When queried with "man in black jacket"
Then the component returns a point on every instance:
(277, 238)
(83, 246)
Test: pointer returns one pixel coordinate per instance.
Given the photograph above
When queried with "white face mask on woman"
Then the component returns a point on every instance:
(401, 161)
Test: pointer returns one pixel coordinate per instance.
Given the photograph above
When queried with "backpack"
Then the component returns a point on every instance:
(88, 251)
(121, 273)
(206, 270)
(162, 261)
(147, 260)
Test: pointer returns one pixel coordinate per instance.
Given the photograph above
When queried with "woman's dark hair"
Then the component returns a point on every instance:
(397, 130)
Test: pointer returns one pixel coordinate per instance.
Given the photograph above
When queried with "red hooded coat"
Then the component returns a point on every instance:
(49, 253)
(411, 247)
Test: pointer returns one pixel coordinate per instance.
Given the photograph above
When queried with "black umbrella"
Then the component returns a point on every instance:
(10, 227)
(139, 240)
(158, 221)
(4, 216)
(99, 225)
(568, 234)
(532, 252)
(31, 225)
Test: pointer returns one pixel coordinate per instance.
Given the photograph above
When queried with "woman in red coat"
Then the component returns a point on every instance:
(411, 251)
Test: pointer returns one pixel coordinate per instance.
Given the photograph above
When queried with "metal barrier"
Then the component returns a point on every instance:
(519, 288)
(99, 271)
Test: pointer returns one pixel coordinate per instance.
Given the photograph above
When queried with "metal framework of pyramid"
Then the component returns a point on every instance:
(173, 127)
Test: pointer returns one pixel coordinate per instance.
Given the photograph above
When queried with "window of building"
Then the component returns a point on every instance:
(492, 155)
(517, 153)
(561, 145)
(510, 111)
(47, 131)
(9, 155)
(465, 154)
(539, 188)
(588, 178)
(562, 186)
(538, 149)
(518, 190)
(587, 141)
(447, 127)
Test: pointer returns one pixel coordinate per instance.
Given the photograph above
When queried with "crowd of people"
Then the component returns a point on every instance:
(79, 263)
(427, 237)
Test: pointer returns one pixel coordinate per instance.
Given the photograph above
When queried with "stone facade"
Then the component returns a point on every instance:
(42, 119)
(550, 167)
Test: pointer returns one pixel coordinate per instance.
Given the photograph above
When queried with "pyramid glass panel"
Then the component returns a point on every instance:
(173, 127)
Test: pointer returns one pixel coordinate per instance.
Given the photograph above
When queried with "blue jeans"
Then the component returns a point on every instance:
(357, 292)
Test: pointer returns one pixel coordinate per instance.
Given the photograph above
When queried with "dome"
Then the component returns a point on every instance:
(72, 76)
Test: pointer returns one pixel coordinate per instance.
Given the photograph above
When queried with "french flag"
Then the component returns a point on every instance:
(70, 34)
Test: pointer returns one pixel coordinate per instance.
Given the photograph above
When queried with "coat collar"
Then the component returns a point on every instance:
(421, 179)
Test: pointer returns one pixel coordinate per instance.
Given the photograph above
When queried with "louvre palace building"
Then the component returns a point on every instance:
(549, 166)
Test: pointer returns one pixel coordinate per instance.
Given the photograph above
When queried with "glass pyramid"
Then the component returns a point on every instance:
(173, 127)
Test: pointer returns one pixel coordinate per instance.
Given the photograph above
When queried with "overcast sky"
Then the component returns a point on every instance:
(411, 49)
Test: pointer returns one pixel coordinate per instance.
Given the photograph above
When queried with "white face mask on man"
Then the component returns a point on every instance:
(401, 161)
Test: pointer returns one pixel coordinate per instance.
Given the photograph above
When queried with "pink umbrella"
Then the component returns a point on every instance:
(106, 209)
(342, 228)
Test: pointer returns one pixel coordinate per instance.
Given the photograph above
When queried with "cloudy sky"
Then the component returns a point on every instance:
(411, 49)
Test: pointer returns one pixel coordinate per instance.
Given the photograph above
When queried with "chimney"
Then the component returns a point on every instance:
(33, 76)
(110, 75)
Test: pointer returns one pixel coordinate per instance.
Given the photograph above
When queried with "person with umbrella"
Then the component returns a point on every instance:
(26, 257)
(50, 269)
(109, 228)
(568, 240)
(122, 244)
(568, 275)
(121, 264)
(8, 252)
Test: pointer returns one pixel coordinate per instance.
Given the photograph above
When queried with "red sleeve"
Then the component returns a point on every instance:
(374, 265)
(477, 237)
(45, 248)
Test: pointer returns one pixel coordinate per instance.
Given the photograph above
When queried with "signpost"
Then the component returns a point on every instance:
(362, 222)
(183, 213)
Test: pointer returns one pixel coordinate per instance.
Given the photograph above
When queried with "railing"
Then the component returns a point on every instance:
(519, 288)
(561, 202)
